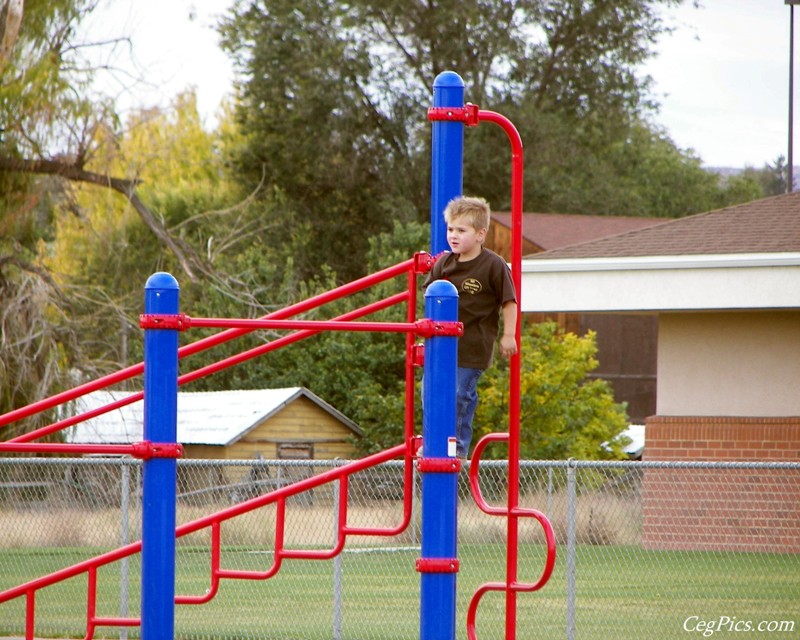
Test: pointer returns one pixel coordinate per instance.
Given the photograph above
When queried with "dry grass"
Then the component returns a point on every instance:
(600, 518)
(305, 526)
(59, 528)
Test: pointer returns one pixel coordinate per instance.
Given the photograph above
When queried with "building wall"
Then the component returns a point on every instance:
(498, 239)
(627, 358)
(729, 364)
(732, 510)
(727, 391)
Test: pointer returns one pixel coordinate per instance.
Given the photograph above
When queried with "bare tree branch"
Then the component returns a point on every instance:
(75, 172)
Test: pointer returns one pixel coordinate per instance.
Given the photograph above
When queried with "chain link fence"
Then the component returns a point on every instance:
(645, 550)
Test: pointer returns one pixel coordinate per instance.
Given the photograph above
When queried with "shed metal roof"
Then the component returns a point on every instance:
(204, 417)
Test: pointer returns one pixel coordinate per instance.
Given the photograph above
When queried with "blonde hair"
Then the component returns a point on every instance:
(475, 210)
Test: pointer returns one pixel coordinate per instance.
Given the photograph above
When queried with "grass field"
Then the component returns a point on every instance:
(621, 592)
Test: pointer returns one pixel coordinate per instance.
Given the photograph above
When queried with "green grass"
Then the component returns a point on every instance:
(622, 592)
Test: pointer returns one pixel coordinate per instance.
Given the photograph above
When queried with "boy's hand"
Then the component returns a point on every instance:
(508, 345)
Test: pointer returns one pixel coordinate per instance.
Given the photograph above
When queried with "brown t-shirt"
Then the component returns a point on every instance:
(484, 285)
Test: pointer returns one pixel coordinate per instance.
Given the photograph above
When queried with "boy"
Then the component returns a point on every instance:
(484, 285)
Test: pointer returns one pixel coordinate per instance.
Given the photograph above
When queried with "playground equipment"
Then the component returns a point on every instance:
(438, 465)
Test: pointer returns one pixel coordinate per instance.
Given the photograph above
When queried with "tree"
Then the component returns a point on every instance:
(57, 133)
(771, 178)
(563, 415)
(334, 96)
(53, 124)
(317, 131)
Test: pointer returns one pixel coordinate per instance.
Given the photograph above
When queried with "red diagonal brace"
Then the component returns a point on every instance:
(428, 328)
(179, 321)
(468, 114)
(437, 565)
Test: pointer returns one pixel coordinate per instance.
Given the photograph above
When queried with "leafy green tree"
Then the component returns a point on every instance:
(333, 99)
(771, 177)
(563, 414)
(103, 251)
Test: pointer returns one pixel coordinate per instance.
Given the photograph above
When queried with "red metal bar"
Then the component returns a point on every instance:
(425, 328)
(286, 340)
(143, 450)
(437, 565)
(419, 264)
(512, 512)
(179, 321)
(474, 474)
(439, 465)
(30, 606)
(209, 342)
(512, 539)
(70, 572)
(468, 114)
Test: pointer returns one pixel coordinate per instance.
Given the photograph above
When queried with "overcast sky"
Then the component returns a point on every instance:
(722, 78)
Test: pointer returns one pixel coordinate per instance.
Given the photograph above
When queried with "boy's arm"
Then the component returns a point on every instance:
(508, 341)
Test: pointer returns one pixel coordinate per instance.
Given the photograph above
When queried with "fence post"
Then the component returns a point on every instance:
(439, 469)
(159, 475)
(572, 515)
(125, 538)
(447, 160)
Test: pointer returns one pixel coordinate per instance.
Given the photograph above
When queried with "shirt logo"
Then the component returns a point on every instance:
(471, 285)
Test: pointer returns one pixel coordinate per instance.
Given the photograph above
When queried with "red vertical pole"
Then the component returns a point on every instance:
(514, 374)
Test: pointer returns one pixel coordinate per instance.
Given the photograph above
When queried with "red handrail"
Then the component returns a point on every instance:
(279, 496)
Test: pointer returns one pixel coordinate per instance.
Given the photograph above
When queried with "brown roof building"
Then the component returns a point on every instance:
(771, 225)
(724, 287)
(547, 231)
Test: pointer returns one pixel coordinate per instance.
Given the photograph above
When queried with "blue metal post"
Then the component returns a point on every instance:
(447, 163)
(159, 479)
(439, 489)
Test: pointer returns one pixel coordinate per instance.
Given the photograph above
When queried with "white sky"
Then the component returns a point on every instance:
(722, 78)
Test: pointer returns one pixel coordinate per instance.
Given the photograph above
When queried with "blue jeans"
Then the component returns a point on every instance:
(466, 403)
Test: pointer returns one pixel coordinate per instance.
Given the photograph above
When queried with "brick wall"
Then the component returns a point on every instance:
(713, 438)
(722, 510)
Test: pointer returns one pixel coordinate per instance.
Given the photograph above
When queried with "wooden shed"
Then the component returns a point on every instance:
(232, 425)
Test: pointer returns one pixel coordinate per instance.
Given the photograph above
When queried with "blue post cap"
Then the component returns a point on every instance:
(448, 79)
(161, 280)
(441, 289)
